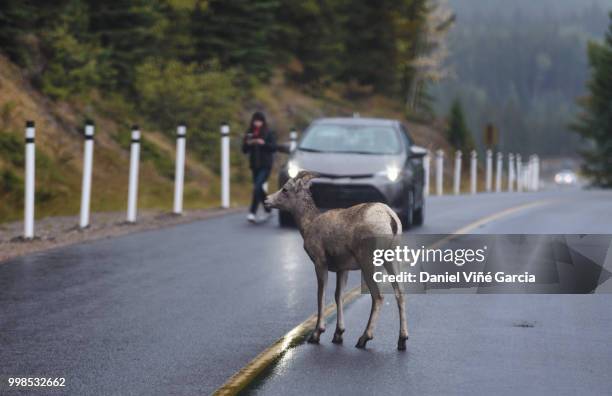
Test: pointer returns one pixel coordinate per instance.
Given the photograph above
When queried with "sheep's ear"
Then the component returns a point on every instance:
(301, 174)
(306, 184)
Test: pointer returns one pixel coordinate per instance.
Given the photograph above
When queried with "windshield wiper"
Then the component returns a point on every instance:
(360, 152)
(340, 151)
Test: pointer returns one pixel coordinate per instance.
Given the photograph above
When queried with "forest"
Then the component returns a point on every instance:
(448, 67)
(521, 65)
(158, 63)
(72, 47)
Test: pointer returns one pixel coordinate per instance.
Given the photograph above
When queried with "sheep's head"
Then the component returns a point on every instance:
(293, 194)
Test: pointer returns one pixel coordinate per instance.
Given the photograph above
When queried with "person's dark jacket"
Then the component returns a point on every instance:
(261, 156)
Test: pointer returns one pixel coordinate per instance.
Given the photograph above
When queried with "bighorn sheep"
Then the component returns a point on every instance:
(334, 241)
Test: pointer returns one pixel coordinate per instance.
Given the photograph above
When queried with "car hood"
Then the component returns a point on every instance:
(344, 164)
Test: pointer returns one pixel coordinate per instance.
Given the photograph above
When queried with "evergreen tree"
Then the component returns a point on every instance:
(75, 63)
(15, 23)
(177, 41)
(459, 136)
(310, 35)
(370, 57)
(131, 30)
(595, 122)
(20, 24)
(237, 33)
(69, 47)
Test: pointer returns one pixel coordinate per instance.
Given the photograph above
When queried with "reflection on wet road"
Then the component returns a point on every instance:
(179, 310)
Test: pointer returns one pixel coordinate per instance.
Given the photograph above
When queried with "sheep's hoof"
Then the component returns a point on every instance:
(314, 337)
(337, 337)
(401, 343)
(361, 344)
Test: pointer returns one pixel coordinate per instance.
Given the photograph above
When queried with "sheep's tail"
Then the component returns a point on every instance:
(395, 222)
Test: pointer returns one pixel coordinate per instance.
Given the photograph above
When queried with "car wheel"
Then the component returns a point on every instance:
(407, 216)
(418, 215)
(285, 219)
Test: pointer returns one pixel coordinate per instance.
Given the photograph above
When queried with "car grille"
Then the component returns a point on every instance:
(329, 196)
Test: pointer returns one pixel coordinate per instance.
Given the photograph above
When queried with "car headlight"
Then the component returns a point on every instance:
(293, 169)
(393, 173)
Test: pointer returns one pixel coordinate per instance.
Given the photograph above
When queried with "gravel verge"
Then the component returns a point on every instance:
(53, 232)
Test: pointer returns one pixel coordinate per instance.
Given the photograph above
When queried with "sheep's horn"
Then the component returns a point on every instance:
(306, 176)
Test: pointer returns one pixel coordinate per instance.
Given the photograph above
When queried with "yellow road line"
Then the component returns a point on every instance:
(499, 215)
(488, 219)
(248, 373)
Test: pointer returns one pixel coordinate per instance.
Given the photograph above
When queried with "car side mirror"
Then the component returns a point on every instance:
(417, 151)
(283, 148)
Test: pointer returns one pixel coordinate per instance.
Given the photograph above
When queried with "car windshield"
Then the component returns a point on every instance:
(361, 139)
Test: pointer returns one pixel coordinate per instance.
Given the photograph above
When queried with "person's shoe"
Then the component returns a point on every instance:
(251, 218)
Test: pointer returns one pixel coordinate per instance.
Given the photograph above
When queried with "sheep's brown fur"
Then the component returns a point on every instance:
(334, 241)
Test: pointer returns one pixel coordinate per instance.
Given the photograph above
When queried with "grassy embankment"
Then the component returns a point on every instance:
(59, 146)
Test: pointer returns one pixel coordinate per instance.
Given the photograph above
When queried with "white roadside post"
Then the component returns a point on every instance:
(511, 172)
(457, 178)
(179, 169)
(489, 171)
(531, 180)
(536, 173)
(30, 162)
(133, 183)
(87, 172)
(519, 173)
(225, 165)
(532, 173)
(498, 172)
(426, 171)
(473, 171)
(439, 172)
(293, 137)
(527, 175)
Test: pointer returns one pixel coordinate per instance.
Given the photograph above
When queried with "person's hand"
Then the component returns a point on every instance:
(257, 141)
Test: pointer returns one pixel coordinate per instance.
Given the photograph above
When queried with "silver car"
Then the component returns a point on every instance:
(360, 160)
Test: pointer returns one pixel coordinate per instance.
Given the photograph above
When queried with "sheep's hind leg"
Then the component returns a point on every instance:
(399, 297)
(321, 284)
(377, 300)
(341, 277)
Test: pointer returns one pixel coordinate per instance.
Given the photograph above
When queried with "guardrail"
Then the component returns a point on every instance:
(523, 177)
(520, 176)
(132, 199)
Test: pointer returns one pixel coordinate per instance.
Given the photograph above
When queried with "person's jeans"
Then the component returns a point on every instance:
(259, 195)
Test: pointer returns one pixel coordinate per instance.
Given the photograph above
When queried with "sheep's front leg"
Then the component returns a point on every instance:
(341, 277)
(321, 285)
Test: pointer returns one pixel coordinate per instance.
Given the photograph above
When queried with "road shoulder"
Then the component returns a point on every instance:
(54, 232)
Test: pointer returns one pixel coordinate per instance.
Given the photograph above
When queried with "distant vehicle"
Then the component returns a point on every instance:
(360, 160)
(566, 178)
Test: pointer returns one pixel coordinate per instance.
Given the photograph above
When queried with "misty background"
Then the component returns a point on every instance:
(521, 65)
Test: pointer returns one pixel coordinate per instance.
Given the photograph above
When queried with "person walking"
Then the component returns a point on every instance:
(260, 144)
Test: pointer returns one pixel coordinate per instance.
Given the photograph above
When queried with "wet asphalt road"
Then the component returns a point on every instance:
(474, 344)
(179, 310)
